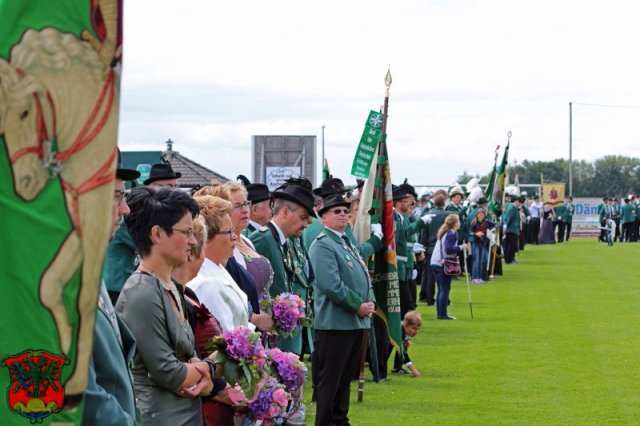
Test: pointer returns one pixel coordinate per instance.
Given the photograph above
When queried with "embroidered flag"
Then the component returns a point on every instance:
(59, 85)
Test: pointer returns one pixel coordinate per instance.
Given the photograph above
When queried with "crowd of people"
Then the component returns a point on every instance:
(183, 267)
(619, 221)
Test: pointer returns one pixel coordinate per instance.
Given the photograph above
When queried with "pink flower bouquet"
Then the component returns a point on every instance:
(270, 402)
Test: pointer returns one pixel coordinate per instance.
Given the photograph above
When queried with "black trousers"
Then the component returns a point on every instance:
(413, 292)
(567, 232)
(560, 231)
(338, 356)
(406, 301)
(428, 283)
(511, 246)
(378, 367)
(534, 230)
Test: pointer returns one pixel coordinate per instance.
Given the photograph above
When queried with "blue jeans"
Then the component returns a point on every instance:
(444, 287)
(479, 254)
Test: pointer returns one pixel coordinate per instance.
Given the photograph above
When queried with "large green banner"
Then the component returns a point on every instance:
(368, 145)
(59, 85)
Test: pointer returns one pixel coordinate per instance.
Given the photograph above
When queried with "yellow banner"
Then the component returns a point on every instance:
(552, 194)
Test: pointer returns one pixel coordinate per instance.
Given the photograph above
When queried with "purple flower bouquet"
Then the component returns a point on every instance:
(288, 369)
(288, 312)
(240, 358)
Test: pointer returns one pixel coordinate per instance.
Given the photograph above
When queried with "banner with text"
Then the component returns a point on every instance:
(367, 147)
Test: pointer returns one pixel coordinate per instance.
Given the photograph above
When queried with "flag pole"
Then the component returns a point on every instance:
(376, 213)
(497, 238)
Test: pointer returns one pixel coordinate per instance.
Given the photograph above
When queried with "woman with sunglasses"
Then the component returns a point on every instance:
(167, 376)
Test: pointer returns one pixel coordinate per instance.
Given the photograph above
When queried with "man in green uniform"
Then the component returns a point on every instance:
(344, 303)
(628, 219)
(571, 209)
(292, 213)
(512, 220)
(404, 197)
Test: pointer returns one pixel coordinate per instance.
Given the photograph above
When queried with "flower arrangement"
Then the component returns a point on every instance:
(270, 402)
(287, 367)
(269, 379)
(241, 358)
(288, 312)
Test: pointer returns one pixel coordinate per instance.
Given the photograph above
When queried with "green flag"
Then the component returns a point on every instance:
(497, 189)
(385, 278)
(325, 170)
(58, 125)
(368, 144)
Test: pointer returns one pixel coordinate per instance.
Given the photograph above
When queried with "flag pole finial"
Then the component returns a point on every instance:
(387, 81)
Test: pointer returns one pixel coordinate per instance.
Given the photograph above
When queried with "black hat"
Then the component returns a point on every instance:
(125, 174)
(514, 197)
(408, 188)
(258, 192)
(297, 191)
(331, 201)
(482, 200)
(332, 186)
(398, 192)
(161, 171)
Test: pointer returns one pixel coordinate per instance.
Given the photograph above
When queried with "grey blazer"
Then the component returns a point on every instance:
(163, 345)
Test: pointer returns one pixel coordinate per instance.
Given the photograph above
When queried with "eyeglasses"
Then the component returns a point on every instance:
(238, 206)
(340, 211)
(118, 195)
(186, 232)
(229, 233)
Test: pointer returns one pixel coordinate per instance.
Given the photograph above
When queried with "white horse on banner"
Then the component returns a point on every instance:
(58, 117)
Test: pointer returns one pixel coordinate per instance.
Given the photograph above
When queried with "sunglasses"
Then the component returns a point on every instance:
(340, 211)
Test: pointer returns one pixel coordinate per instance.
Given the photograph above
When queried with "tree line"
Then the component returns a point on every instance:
(612, 175)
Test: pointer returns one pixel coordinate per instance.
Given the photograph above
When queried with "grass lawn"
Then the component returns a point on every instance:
(555, 340)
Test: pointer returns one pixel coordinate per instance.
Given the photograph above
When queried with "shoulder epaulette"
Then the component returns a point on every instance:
(320, 236)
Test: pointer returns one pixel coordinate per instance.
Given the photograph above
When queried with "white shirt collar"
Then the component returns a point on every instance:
(281, 236)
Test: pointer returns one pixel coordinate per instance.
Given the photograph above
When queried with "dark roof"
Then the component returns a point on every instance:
(193, 174)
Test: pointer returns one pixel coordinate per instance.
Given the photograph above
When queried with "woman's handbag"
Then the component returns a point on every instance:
(450, 266)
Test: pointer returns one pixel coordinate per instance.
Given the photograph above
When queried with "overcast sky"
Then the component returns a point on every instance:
(210, 74)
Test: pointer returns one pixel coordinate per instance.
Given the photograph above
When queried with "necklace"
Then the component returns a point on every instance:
(168, 286)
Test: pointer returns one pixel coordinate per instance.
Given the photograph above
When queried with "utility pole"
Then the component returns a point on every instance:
(322, 164)
(570, 149)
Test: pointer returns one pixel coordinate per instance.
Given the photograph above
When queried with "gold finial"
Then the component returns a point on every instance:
(387, 81)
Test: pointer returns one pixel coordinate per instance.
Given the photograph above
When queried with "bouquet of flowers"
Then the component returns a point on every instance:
(241, 358)
(288, 369)
(270, 402)
(288, 312)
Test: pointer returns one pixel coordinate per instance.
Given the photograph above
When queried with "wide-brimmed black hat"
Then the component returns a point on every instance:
(258, 192)
(482, 200)
(406, 187)
(398, 193)
(332, 186)
(331, 201)
(161, 171)
(297, 194)
(125, 174)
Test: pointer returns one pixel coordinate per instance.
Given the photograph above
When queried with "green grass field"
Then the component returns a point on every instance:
(554, 341)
